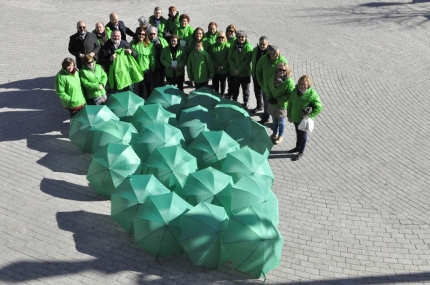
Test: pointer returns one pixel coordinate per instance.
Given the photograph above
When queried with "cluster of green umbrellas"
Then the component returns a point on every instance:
(185, 174)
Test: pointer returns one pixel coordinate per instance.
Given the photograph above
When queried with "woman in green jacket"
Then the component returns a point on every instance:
(145, 58)
(199, 66)
(68, 87)
(219, 55)
(280, 87)
(172, 23)
(302, 96)
(212, 33)
(184, 31)
(174, 59)
(198, 36)
(230, 33)
(93, 79)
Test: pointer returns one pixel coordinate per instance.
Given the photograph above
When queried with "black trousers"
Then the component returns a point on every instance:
(302, 138)
(178, 81)
(237, 83)
(258, 93)
(219, 83)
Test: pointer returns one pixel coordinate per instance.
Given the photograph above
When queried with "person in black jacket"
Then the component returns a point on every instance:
(116, 24)
(83, 43)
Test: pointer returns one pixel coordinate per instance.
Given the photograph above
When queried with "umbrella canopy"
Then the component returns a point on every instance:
(248, 132)
(109, 167)
(124, 104)
(153, 113)
(210, 147)
(228, 112)
(202, 235)
(253, 243)
(195, 120)
(244, 162)
(203, 96)
(113, 132)
(169, 97)
(157, 135)
(157, 224)
(231, 102)
(171, 165)
(81, 131)
(130, 195)
(204, 185)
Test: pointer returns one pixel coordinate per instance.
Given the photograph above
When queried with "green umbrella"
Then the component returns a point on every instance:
(169, 97)
(231, 102)
(228, 112)
(248, 132)
(204, 185)
(203, 96)
(157, 224)
(124, 104)
(81, 131)
(157, 135)
(244, 162)
(148, 114)
(130, 195)
(202, 234)
(113, 132)
(109, 167)
(253, 243)
(171, 165)
(252, 191)
(209, 147)
(195, 120)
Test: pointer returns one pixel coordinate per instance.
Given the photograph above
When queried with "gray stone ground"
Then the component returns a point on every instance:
(354, 210)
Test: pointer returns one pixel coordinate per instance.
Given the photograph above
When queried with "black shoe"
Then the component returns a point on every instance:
(299, 155)
(293, 150)
(258, 109)
(263, 121)
(245, 106)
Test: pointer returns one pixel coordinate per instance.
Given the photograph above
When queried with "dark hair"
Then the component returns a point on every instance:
(184, 16)
(67, 62)
(145, 39)
(212, 24)
(196, 30)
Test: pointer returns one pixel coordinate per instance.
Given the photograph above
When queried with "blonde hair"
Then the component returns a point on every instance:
(286, 67)
(305, 79)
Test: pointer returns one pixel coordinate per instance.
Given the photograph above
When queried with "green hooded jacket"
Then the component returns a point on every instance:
(91, 80)
(124, 70)
(160, 27)
(298, 103)
(200, 67)
(145, 55)
(185, 33)
(68, 88)
(240, 60)
(211, 38)
(219, 55)
(173, 24)
(282, 92)
(231, 40)
(265, 69)
(166, 59)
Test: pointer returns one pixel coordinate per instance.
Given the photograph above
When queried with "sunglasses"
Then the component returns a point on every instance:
(284, 70)
(230, 31)
(240, 37)
(220, 37)
(153, 33)
(82, 27)
(88, 62)
(141, 35)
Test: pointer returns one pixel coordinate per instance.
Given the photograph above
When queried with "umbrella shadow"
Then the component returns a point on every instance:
(69, 191)
(275, 154)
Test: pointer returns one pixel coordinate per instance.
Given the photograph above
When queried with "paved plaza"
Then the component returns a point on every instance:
(354, 210)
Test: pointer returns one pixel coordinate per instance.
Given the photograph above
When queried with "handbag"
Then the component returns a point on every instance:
(306, 125)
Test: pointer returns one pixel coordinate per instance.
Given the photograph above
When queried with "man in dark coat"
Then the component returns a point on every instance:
(116, 24)
(83, 43)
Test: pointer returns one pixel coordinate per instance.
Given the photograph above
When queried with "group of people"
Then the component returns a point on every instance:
(162, 49)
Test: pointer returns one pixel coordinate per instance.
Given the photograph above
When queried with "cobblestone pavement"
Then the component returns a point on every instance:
(354, 210)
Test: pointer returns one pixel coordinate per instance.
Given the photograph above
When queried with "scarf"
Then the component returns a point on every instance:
(239, 47)
(82, 36)
(278, 80)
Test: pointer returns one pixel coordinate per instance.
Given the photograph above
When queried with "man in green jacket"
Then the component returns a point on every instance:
(265, 69)
(261, 49)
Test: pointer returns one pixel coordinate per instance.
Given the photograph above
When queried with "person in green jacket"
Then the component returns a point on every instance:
(143, 23)
(158, 21)
(184, 31)
(68, 87)
(211, 34)
(261, 49)
(303, 96)
(280, 87)
(200, 68)
(174, 59)
(219, 55)
(172, 23)
(102, 33)
(93, 80)
(230, 32)
(264, 70)
(239, 62)
(145, 58)
(158, 72)
(198, 36)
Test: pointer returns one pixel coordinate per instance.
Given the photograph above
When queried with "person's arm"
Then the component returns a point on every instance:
(230, 58)
(190, 67)
(210, 66)
(316, 105)
(259, 71)
(87, 83)
(246, 60)
(129, 32)
(61, 90)
(103, 79)
(128, 49)
(96, 49)
(72, 48)
(165, 57)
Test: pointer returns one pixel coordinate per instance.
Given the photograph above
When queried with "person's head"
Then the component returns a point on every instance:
(151, 32)
(141, 35)
(81, 27)
(143, 23)
(198, 47)
(220, 38)
(274, 53)
(68, 64)
(88, 61)
(184, 20)
(172, 11)
(113, 17)
(212, 27)
(263, 43)
(241, 36)
(116, 37)
(230, 31)
(283, 70)
(157, 13)
(174, 40)
(198, 34)
(304, 83)
(100, 28)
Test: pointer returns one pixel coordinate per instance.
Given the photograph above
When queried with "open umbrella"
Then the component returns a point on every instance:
(244, 162)
(253, 243)
(157, 224)
(227, 112)
(204, 185)
(113, 132)
(194, 120)
(171, 165)
(124, 104)
(130, 195)
(81, 131)
(203, 96)
(157, 135)
(169, 97)
(109, 167)
(210, 147)
(202, 235)
(248, 132)
(153, 113)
